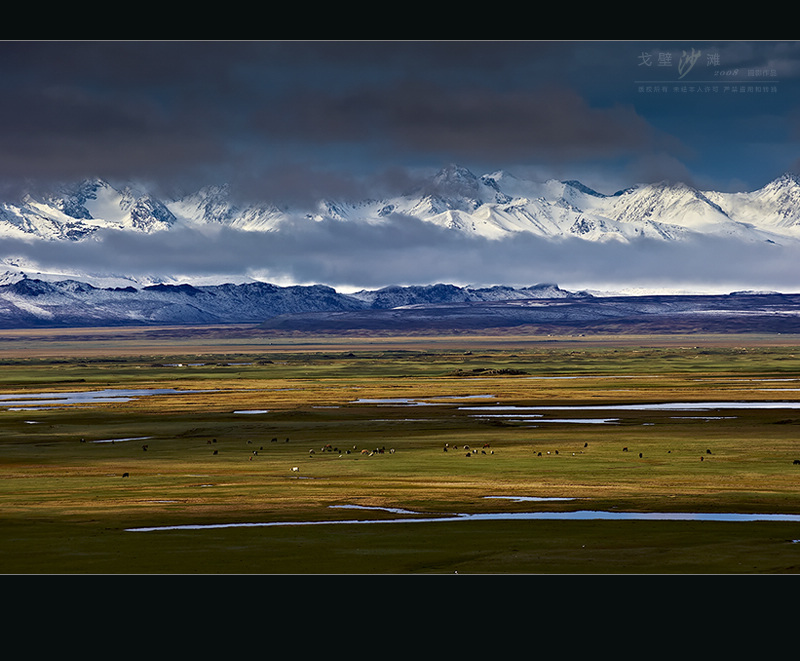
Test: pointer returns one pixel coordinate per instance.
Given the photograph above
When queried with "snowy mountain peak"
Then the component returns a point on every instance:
(455, 174)
(453, 188)
(786, 187)
(71, 200)
(787, 179)
(455, 181)
(779, 201)
(577, 185)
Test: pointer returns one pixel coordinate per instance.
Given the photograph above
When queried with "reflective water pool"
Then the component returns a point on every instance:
(29, 401)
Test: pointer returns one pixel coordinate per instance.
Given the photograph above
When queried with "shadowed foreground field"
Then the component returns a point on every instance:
(227, 450)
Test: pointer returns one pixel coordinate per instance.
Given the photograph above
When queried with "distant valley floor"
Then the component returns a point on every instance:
(736, 313)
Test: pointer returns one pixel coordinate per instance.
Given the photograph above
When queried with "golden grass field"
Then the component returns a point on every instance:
(249, 407)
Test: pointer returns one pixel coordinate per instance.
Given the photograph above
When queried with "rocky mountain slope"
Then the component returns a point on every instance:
(31, 302)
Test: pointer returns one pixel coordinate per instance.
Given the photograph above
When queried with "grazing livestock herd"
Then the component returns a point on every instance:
(325, 448)
(470, 451)
(329, 448)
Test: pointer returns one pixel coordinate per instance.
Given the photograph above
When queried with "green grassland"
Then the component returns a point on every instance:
(251, 408)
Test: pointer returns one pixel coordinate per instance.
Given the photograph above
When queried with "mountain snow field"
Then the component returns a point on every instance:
(492, 206)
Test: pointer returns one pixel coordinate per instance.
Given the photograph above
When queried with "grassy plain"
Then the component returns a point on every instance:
(250, 407)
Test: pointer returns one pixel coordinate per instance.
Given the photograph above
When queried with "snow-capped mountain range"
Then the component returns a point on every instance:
(492, 206)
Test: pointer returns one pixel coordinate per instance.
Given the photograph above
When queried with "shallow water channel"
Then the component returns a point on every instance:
(412, 517)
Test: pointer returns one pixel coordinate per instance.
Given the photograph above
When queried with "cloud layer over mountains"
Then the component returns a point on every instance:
(466, 238)
(410, 251)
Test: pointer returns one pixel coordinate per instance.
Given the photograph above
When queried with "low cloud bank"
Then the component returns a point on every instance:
(409, 251)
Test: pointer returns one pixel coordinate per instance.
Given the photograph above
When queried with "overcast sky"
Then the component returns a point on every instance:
(292, 122)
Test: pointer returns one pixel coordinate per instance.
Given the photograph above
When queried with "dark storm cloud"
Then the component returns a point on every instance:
(475, 123)
(77, 109)
(191, 113)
